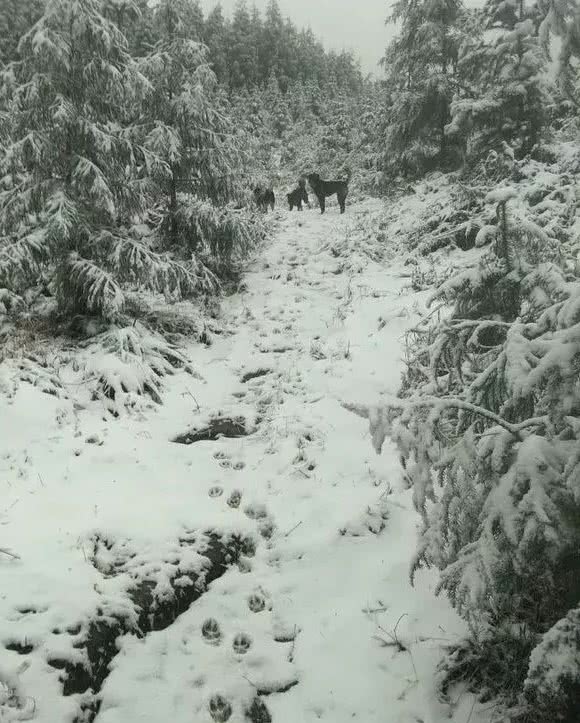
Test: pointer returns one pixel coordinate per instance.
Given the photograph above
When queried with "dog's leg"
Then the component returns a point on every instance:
(322, 202)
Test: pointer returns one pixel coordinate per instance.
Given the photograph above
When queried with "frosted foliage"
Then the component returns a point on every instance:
(100, 145)
(487, 425)
(129, 363)
(553, 681)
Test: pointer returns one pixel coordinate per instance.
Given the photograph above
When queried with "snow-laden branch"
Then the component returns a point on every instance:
(379, 421)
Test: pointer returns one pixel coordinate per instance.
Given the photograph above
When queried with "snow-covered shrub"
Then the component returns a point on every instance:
(487, 424)
(552, 686)
(126, 363)
(14, 706)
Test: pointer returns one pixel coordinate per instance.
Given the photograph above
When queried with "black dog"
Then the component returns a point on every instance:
(264, 197)
(298, 195)
(323, 189)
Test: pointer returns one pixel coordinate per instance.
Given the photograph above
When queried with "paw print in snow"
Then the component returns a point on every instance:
(248, 547)
(219, 709)
(256, 512)
(235, 499)
(242, 643)
(266, 528)
(216, 491)
(258, 713)
(211, 632)
(257, 602)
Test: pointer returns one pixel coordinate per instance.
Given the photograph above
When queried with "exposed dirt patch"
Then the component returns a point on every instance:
(99, 642)
(248, 376)
(216, 429)
(20, 648)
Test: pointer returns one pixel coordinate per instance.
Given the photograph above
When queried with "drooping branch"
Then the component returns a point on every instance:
(378, 415)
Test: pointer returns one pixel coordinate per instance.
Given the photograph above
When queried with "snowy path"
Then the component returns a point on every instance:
(329, 578)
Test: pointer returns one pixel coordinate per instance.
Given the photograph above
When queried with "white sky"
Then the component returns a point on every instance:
(357, 25)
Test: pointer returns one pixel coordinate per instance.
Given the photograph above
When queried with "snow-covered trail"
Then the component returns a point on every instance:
(313, 620)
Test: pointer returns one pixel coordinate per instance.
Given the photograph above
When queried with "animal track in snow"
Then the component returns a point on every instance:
(235, 499)
(242, 643)
(211, 631)
(220, 709)
(256, 511)
(257, 602)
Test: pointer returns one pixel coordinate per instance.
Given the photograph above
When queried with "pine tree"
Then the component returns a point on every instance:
(562, 18)
(215, 36)
(504, 96)
(272, 40)
(71, 184)
(242, 54)
(141, 32)
(420, 65)
(190, 129)
(311, 57)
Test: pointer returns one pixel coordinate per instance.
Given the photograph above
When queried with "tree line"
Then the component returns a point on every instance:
(243, 51)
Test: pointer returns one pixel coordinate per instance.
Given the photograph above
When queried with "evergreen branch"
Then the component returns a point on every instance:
(379, 423)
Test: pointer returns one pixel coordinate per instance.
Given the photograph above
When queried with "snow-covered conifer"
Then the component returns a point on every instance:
(74, 177)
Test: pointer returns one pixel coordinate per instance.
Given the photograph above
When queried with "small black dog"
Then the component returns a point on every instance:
(298, 195)
(264, 197)
(323, 189)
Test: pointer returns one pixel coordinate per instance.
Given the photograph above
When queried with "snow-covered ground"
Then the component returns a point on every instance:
(322, 620)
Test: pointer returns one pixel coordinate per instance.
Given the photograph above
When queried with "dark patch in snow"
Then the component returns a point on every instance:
(100, 642)
(254, 375)
(277, 350)
(258, 713)
(20, 648)
(220, 709)
(216, 429)
(31, 611)
(281, 688)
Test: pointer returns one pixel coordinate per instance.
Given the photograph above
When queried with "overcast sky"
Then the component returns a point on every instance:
(357, 25)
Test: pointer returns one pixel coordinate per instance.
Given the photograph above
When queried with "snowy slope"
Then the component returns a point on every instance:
(321, 622)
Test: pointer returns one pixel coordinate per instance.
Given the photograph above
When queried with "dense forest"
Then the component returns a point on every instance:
(131, 136)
